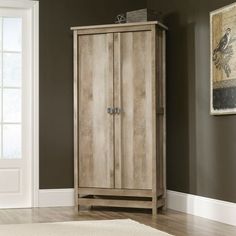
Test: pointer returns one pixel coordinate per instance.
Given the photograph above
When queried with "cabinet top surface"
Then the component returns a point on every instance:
(119, 25)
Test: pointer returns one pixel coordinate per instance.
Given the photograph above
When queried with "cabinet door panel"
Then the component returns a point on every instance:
(95, 125)
(134, 94)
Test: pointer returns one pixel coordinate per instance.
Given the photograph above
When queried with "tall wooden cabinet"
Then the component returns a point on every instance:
(119, 115)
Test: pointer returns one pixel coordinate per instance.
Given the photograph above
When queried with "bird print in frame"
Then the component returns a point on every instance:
(223, 60)
(223, 53)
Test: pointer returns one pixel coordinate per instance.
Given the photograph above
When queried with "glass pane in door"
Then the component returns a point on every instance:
(11, 105)
(10, 87)
(12, 69)
(12, 35)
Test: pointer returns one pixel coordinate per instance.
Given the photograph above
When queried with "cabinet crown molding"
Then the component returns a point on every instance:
(120, 25)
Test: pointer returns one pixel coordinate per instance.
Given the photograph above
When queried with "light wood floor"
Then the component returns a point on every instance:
(175, 223)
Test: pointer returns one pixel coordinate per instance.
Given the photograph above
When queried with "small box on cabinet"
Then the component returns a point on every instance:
(141, 15)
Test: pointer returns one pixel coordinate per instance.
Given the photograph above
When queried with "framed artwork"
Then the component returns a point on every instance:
(223, 60)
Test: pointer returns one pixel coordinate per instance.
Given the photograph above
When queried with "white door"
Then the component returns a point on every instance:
(15, 109)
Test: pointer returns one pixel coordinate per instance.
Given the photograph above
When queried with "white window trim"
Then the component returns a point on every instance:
(33, 7)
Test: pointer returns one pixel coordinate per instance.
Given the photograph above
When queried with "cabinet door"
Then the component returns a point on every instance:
(95, 125)
(135, 95)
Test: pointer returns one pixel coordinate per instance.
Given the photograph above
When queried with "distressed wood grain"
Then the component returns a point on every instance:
(96, 155)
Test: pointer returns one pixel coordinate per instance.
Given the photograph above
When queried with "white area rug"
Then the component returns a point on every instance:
(81, 228)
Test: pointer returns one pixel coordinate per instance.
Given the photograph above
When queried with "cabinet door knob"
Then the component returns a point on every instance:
(113, 111)
(117, 110)
(109, 110)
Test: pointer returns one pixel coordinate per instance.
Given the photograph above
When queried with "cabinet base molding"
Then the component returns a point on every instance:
(118, 192)
(120, 198)
(119, 203)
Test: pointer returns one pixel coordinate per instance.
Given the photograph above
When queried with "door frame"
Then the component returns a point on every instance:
(32, 8)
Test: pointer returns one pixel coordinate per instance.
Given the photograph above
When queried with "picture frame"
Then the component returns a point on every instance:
(223, 60)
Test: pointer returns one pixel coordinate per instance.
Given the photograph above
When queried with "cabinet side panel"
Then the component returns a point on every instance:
(75, 52)
(161, 109)
(96, 157)
(136, 105)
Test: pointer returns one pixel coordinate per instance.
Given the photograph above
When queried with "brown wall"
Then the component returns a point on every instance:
(201, 150)
(56, 79)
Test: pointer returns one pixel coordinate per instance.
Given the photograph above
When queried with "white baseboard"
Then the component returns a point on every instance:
(212, 209)
(224, 212)
(56, 197)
